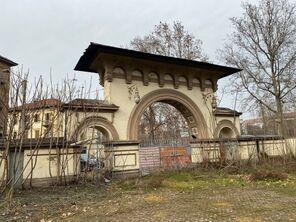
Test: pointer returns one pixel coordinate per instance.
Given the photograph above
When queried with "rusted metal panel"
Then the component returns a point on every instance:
(175, 157)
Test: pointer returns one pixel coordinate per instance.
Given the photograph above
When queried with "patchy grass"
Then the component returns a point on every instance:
(269, 175)
(201, 180)
(172, 196)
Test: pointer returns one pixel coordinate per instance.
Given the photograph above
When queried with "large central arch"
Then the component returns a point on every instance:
(187, 107)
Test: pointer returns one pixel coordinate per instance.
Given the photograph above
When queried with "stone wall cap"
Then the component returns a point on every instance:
(121, 142)
(42, 143)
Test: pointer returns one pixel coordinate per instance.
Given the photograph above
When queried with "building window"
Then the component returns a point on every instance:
(77, 116)
(47, 116)
(1, 132)
(36, 118)
(14, 119)
(84, 150)
(37, 133)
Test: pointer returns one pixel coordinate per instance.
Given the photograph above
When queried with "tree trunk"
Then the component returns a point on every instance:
(281, 128)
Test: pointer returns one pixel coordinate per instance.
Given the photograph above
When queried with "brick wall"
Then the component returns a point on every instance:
(4, 93)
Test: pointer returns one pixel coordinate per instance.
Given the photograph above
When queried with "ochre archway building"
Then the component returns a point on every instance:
(134, 80)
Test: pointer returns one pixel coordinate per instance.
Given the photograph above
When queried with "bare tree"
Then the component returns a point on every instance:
(263, 45)
(40, 113)
(167, 40)
(162, 122)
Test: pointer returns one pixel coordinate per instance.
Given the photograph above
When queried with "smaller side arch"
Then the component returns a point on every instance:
(96, 121)
(225, 124)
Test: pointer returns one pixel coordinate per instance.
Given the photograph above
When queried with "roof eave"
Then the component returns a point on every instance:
(91, 52)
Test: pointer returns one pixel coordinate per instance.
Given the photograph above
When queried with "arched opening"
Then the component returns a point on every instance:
(194, 119)
(91, 139)
(92, 134)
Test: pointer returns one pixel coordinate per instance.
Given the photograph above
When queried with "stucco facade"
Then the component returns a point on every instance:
(134, 80)
(47, 162)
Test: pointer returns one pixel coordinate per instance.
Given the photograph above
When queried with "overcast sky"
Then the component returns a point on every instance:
(54, 33)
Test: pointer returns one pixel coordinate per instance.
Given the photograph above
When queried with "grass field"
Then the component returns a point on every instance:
(172, 196)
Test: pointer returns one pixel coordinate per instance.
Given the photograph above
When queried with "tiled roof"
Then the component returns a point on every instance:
(53, 143)
(73, 104)
(44, 103)
(7, 61)
(94, 49)
(90, 104)
(259, 120)
(222, 111)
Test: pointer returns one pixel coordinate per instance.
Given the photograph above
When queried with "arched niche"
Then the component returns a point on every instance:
(171, 80)
(196, 82)
(153, 77)
(119, 71)
(183, 80)
(226, 133)
(168, 79)
(137, 75)
(226, 129)
(209, 83)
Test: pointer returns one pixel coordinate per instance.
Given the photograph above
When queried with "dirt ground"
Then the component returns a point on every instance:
(174, 196)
